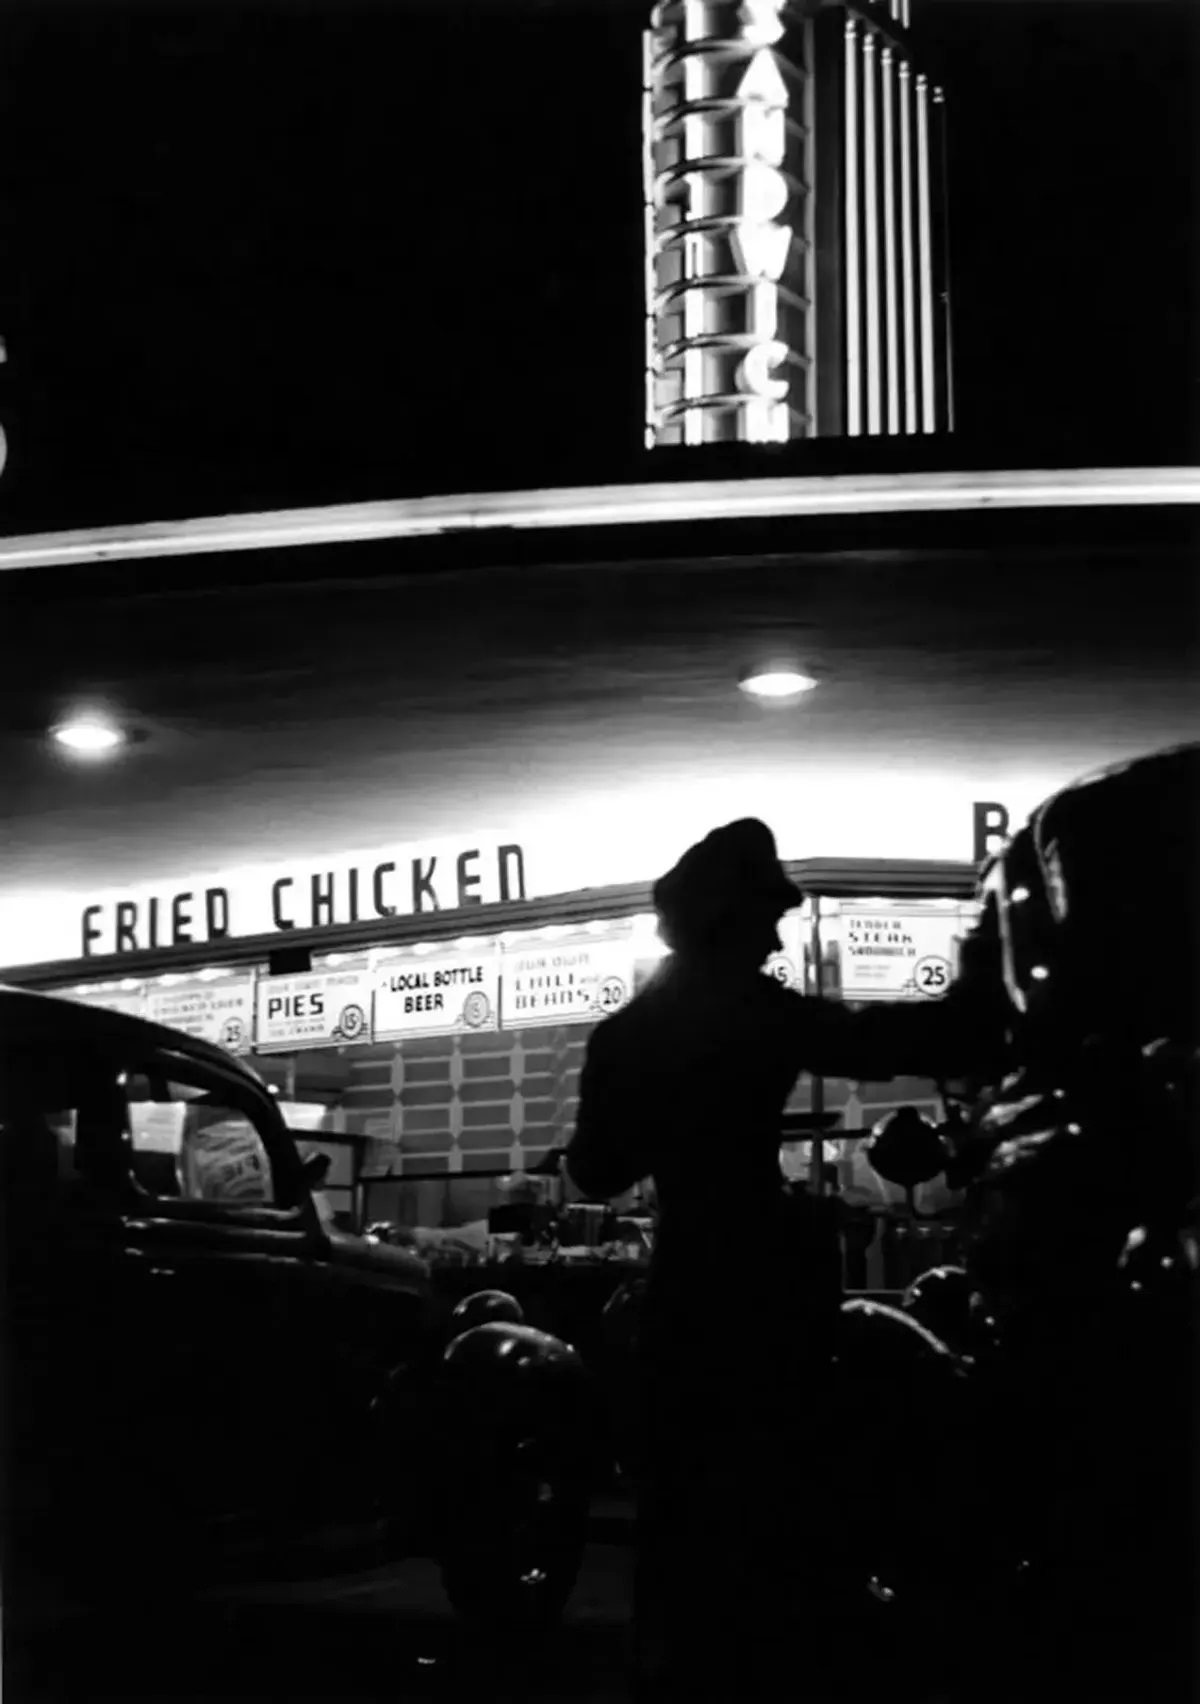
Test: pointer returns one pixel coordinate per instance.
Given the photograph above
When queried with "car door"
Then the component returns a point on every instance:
(217, 1225)
(71, 1371)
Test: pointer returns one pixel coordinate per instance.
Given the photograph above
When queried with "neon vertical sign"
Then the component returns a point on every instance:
(897, 356)
(728, 298)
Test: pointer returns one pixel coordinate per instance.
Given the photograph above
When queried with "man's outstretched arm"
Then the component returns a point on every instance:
(960, 1035)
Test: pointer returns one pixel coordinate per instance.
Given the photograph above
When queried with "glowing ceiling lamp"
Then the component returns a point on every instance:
(778, 681)
(89, 736)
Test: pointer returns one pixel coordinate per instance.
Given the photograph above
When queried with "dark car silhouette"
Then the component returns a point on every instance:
(204, 1382)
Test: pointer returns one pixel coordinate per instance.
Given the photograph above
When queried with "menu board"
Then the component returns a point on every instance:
(896, 951)
(325, 1008)
(423, 995)
(566, 982)
(220, 1011)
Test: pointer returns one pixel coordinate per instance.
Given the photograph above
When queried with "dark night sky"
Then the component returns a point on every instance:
(273, 254)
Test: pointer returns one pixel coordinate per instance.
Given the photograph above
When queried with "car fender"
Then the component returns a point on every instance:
(501, 1382)
(898, 1384)
(513, 1364)
(901, 1419)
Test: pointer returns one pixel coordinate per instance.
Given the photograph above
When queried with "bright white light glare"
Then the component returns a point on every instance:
(89, 735)
(777, 682)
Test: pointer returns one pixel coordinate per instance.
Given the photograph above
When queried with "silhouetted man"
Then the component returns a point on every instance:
(687, 1085)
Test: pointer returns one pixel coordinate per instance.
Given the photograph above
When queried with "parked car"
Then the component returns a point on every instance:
(205, 1381)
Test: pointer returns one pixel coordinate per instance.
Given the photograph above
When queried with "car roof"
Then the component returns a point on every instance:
(28, 1017)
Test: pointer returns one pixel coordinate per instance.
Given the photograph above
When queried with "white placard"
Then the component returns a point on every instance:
(897, 951)
(157, 1126)
(566, 982)
(325, 1008)
(221, 1012)
(423, 995)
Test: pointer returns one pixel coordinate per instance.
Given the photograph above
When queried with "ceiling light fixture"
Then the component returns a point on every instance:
(776, 681)
(90, 736)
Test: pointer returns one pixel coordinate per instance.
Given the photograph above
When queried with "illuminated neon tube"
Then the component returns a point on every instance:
(908, 276)
(925, 253)
(853, 285)
(871, 222)
(890, 281)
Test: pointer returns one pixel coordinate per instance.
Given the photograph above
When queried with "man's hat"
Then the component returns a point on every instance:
(732, 871)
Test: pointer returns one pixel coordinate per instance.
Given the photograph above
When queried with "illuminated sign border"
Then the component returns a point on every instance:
(660, 504)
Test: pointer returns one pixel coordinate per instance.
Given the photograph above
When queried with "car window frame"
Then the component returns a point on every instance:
(293, 1200)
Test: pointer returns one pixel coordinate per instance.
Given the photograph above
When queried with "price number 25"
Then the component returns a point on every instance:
(931, 976)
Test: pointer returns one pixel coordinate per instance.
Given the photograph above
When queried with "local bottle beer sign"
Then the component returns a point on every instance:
(897, 952)
(221, 1012)
(569, 982)
(329, 1008)
(423, 995)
